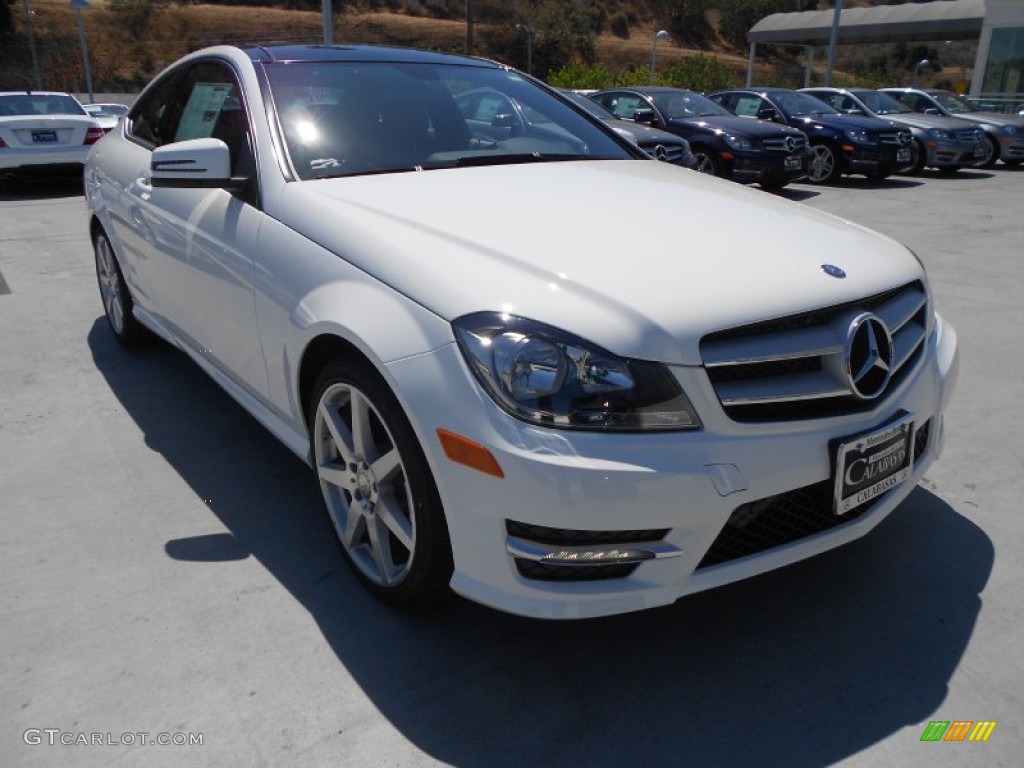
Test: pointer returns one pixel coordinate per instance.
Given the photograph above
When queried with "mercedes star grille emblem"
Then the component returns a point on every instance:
(868, 356)
(661, 153)
(790, 144)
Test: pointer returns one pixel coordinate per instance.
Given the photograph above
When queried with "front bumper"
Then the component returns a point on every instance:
(944, 154)
(675, 493)
(769, 167)
(871, 159)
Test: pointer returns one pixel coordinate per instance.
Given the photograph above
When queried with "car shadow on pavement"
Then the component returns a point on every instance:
(41, 189)
(804, 666)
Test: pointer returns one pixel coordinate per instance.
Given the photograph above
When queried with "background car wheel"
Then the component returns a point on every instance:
(706, 161)
(825, 166)
(117, 301)
(991, 153)
(377, 487)
(920, 157)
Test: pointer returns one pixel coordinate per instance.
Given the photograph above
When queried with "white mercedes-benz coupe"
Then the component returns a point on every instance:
(699, 384)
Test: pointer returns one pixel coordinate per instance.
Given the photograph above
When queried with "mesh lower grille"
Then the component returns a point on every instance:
(544, 572)
(768, 523)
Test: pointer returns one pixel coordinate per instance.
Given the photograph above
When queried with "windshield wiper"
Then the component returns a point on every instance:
(516, 158)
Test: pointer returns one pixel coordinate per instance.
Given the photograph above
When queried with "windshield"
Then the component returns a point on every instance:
(39, 104)
(952, 103)
(681, 104)
(349, 118)
(796, 104)
(106, 110)
(881, 103)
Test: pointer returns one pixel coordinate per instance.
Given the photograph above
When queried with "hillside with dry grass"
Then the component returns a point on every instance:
(131, 40)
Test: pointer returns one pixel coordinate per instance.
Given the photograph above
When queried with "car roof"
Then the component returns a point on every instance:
(358, 53)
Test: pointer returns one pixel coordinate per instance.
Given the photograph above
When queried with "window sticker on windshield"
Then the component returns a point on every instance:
(203, 108)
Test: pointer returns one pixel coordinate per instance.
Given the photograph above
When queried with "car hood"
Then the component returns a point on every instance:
(744, 126)
(639, 257)
(993, 118)
(645, 133)
(843, 122)
(918, 120)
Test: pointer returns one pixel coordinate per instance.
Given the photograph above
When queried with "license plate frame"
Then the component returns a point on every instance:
(979, 150)
(872, 463)
(44, 137)
(903, 155)
(793, 163)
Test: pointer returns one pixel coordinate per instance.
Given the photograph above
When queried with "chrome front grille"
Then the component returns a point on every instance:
(785, 144)
(796, 367)
(670, 153)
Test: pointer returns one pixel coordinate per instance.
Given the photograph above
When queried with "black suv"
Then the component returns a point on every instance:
(840, 143)
(748, 151)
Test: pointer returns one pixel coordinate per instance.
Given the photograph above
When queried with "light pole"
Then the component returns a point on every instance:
(32, 46)
(662, 35)
(78, 5)
(529, 46)
(327, 18)
(922, 64)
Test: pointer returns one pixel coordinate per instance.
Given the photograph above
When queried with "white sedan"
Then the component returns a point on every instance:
(44, 133)
(557, 421)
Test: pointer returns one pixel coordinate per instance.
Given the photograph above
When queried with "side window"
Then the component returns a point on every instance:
(626, 106)
(916, 102)
(149, 119)
(212, 108)
(747, 106)
(727, 100)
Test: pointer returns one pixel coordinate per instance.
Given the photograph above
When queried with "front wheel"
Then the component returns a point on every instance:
(991, 153)
(825, 166)
(377, 487)
(117, 301)
(920, 157)
(707, 162)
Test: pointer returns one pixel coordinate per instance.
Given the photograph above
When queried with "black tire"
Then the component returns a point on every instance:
(707, 161)
(991, 153)
(378, 489)
(826, 167)
(114, 293)
(920, 157)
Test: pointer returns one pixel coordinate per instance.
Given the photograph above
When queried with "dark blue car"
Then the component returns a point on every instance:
(841, 143)
(747, 151)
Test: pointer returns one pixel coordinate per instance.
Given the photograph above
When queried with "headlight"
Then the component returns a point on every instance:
(738, 142)
(1010, 130)
(939, 134)
(550, 378)
(859, 136)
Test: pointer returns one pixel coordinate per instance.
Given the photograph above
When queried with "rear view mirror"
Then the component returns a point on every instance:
(645, 116)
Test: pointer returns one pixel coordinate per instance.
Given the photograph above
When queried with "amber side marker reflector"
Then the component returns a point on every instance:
(461, 450)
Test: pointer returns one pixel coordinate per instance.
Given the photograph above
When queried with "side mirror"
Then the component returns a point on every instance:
(194, 164)
(932, 111)
(854, 111)
(503, 120)
(766, 113)
(645, 116)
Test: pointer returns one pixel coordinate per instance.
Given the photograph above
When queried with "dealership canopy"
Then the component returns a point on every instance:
(938, 20)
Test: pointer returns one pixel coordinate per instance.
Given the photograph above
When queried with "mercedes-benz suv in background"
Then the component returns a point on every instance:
(748, 151)
(1004, 134)
(944, 143)
(839, 143)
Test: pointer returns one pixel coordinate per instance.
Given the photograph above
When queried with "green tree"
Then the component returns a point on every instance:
(6, 17)
(563, 32)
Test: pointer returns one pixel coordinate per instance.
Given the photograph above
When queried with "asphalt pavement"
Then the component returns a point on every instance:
(167, 574)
